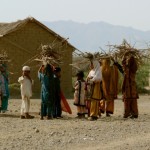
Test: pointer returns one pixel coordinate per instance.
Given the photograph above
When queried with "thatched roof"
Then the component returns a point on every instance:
(6, 28)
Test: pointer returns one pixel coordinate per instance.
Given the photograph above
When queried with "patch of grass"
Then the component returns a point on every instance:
(14, 89)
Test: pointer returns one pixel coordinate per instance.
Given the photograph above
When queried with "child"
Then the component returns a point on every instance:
(79, 95)
(26, 92)
(46, 77)
(57, 101)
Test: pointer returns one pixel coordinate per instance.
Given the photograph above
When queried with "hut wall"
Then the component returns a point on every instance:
(23, 44)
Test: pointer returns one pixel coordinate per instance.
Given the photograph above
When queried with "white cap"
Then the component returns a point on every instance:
(26, 68)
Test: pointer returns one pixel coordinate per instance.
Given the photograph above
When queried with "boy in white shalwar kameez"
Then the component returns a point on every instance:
(26, 92)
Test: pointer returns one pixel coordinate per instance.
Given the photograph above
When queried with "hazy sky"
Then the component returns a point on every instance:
(133, 13)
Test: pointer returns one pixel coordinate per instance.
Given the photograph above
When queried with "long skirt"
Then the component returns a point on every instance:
(94, 109)
(107, 106)
(5, 103)
(88, 106)
(95, 99)
(47, 109)
(130, 107)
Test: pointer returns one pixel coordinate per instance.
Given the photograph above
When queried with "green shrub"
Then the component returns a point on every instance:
(142, 78)
(14, 89)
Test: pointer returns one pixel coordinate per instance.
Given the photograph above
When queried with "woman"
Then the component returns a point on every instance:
(46, 77)
(5, 91)
(95, 77)
(109, 86)
(129, 90)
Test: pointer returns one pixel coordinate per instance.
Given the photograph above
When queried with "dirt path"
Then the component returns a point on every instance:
(113, 133)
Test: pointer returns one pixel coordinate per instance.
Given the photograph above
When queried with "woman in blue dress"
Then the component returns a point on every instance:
(46, 78)
(5, 91)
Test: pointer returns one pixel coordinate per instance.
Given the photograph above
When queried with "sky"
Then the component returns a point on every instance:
(130, 13)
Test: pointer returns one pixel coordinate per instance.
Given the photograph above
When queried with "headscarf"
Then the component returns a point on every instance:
(26, 68)
(95, 73)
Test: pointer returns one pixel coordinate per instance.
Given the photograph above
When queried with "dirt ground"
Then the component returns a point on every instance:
(69, 133)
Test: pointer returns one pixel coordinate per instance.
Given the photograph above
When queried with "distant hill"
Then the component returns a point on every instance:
(91, 36)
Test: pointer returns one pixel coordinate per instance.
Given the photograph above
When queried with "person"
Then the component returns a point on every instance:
(79, 95)
(109, 86)
(5, 96)
(95, 77)
(26, 92)
(46, 77)
(129, 91)
(2, 88)
(57, 101)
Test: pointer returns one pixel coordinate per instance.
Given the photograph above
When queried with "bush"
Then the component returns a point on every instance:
(15, 92)
(142, 78)
(14, 89)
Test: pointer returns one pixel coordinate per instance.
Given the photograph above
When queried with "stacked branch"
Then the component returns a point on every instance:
(83, 60)
(50, 54)
(126, 50)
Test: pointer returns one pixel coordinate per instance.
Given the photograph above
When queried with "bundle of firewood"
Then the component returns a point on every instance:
(125, 50)
(83, 60)
(49, 55)
(96, 56)
(49, 51)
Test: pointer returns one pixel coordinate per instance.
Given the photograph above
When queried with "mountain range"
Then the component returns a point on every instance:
(96, 35)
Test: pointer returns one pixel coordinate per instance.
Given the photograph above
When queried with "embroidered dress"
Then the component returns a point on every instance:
(79, 94)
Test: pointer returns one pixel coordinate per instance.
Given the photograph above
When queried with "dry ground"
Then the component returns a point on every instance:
(114, 133)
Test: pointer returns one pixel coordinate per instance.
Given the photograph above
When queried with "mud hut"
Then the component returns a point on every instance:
(21, 40)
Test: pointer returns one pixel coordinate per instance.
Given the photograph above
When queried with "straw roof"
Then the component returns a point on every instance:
(6, 28)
